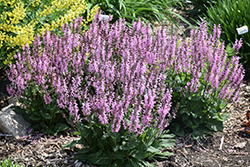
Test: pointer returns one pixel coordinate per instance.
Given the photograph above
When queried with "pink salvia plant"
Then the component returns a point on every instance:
(118, 73)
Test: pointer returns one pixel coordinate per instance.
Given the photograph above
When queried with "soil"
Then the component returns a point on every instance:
(229, 148)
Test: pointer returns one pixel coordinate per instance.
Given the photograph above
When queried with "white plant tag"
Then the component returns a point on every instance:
(242, 30)
(104, 17)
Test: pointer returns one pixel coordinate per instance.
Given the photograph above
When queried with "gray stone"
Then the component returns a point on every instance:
(13, 123)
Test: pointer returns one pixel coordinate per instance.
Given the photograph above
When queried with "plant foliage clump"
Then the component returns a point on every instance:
(204, 81)
(121, 86)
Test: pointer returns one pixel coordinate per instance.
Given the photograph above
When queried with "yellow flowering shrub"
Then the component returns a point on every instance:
(20, 20)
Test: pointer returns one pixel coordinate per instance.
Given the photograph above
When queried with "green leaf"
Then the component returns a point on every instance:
(177, 88)
(117, 163)
(147, 164)
(47, 130)
(42, 124)
(84, 151)
(136, 163)
(196, 135)
(35, 113)
(153, 149)
(77, 133)
(34, 118)
(139, 154)
(180, 132)
(71, 144)
(61, 127)
(124, 147)
(81, 157)
(99, 158)
(176, 126)
(189, 123)
(185, 117)
(132, 144)
(35, 126)
(166, 142)
(46, 115)
(183, 111)
(119, 155)
(18, 110)
(224, 117)
(195, 123)
(167, 136)
(129, 164)
(214, 125)
(164, 155)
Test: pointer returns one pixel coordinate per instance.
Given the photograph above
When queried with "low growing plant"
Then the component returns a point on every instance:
(204, 81)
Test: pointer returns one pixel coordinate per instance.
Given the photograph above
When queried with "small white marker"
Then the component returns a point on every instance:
(242, 30)
(104, 17)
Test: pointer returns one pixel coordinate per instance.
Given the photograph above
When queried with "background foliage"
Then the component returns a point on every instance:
(147, 10)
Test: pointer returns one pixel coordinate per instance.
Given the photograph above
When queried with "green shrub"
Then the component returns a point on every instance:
(232, 14)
